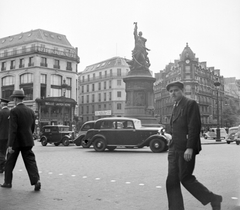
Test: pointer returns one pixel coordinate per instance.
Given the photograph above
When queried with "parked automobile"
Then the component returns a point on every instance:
(231, 134)
(212, 133)
(56, 134)
(237, 136)
(83, 130)
(110, 133)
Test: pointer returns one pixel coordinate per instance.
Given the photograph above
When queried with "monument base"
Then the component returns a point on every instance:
(139, 96)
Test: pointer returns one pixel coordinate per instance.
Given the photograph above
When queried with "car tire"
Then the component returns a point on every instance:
(44, 141)
(99, 145)
(56, 144)
(228, 142)
(157, 145)
(237, 142)
(111, 148)
(65, 141)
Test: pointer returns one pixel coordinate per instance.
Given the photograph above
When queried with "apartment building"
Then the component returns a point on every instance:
(40, 62)
(102, 90)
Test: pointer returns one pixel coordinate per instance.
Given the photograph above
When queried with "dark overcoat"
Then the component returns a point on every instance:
(4, 123)
(186, 125)
(21, 126)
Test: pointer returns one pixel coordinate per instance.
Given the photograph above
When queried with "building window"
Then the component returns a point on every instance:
(93, 75)
(43, 62)
(187, 69)
(99, 86)
(105, 85)
(99, 107)
(110, 96)
(99, 97)
(119, 72)
(110, 84)
(119, 94)
(119, 106)
(5, 53)
(93, 98)
(43, 81)
(26, 78)
(88, 77)
(21, 63)
(7, 86)
(56, 85)
(105, 106)
(105, 96)
(87, 98)
(12, 64)
(56, 64)
(69, 66)
(93, 87)
(14, 51)
(110, 72)
(87, 88)
(83, 79)
(82, 99)
(23, 49)
(100, 75)
(119, 82)
(105, 74)
(31, 63)
(3, 68)
(93, 109)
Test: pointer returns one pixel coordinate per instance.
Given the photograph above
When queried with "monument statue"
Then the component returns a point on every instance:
(140, 58)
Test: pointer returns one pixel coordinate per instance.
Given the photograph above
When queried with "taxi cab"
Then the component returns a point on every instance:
(56, 134)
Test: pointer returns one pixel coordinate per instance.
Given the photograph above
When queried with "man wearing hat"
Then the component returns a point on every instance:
(185, 125)
(21, 128)
(4, 124)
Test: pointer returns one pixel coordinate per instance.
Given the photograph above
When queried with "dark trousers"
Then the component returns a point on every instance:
(3, 148)
(29, 161)
(180, 172)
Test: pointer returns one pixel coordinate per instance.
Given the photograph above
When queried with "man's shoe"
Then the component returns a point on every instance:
(37, 186)
(6, 185)
(216, 202)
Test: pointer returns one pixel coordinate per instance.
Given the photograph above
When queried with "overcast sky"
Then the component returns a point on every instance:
(102, 29)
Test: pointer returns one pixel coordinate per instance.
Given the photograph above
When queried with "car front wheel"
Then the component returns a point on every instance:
(44, 141)
(157, 145)
(237, 142)
(65, 141)
(99, 145)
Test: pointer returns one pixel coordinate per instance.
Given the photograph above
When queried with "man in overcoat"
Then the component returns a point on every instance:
(4, 125)
(185, 126)
(21, 128)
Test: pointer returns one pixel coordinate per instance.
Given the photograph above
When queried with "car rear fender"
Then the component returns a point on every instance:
(91, 141)
(42, 138)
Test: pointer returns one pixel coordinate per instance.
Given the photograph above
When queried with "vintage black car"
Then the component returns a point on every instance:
(56, 134)
(110, 133)
(83, 130)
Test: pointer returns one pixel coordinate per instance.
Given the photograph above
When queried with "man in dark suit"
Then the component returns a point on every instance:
(185, 145)
(21, 128)
(4, 124)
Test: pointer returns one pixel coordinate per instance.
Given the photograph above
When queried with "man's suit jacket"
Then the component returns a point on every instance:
(4, 123)
(21, 126)
(186, 125)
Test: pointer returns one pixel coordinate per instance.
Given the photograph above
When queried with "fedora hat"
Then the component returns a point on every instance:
(176, 83)
(18, 94)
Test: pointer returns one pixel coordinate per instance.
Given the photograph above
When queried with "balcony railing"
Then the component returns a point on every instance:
(43, 64)
(40, 50)
(102, 78)
(21, 66)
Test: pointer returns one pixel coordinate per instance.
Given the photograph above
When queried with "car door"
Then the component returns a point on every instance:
(55, 135)
(107, 129)
(126, 133)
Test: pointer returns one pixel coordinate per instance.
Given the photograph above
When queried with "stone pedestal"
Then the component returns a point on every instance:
(139, 96)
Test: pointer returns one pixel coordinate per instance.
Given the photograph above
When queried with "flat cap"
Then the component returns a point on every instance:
(175, 83)
(4, 100)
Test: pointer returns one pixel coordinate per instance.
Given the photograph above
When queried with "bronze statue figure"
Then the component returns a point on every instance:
(140, 58)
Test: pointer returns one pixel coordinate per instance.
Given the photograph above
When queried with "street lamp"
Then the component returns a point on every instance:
(64, 88)
(217, 85)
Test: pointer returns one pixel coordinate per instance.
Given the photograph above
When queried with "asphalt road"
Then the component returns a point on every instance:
(126, 179)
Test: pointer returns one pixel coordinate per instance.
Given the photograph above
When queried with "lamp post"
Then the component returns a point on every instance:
(217, 85)
(64, 88)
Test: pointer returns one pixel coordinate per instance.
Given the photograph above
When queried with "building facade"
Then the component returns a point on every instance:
(199, 83)
(102, 90)
(39, 61)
